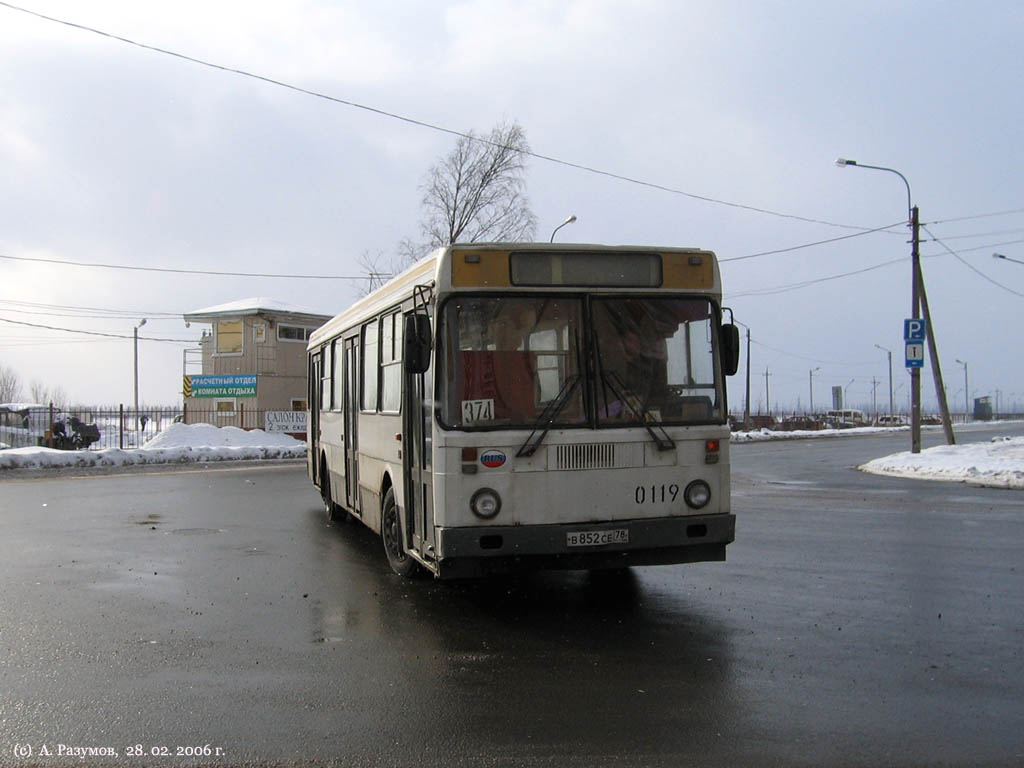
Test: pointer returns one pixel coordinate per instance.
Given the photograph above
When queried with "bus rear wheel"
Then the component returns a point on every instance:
(391, 533)
(334, 512)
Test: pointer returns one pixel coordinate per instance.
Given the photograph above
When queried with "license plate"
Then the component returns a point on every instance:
(596, 538)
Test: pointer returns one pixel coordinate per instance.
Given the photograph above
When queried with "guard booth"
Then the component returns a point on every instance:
(253, 366)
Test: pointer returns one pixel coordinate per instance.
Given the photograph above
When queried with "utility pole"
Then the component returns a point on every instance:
(746, 410)
(967, 394)
(933, 354)
(892, 409)
(915, 312)
(810, 379)
(767, 397)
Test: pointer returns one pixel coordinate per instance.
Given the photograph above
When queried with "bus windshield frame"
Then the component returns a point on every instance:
(578, 360)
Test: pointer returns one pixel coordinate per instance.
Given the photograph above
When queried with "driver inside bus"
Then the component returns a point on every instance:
(633, 358)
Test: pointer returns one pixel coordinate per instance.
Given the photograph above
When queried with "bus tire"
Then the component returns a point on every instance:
(391, 533)
(334, 512)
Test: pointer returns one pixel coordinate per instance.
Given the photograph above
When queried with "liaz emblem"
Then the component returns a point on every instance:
(492, 458)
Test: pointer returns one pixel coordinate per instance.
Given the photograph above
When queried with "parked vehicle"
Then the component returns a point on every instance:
(892, 421)
(846, 418)
(794, 423)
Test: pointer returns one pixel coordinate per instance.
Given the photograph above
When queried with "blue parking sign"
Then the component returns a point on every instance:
(914, 329)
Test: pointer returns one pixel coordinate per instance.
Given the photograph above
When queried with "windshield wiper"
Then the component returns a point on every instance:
(662, 440)
(547, 417)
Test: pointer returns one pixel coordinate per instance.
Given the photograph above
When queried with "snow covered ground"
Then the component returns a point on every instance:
(177, 444)
(998, 464)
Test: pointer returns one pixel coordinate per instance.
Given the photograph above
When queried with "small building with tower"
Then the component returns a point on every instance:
(250, 368)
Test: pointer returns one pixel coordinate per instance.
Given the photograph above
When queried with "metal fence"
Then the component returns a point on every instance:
(124, 427)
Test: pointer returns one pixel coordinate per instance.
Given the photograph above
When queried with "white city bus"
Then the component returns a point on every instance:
(508, 407)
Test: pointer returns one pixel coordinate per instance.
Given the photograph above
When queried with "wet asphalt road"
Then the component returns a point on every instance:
(858, 621)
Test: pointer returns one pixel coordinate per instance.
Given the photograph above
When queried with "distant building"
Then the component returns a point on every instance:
(253, 361)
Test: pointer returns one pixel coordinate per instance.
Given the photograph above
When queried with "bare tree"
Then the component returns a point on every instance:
(42, 394)
(378, 270)
(10, 385)
(477, 192)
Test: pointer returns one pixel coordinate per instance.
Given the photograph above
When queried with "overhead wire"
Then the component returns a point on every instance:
(423, 123)
(807, 245)
(95, 333)
(181, 271)
(971, 267)
(148, 314)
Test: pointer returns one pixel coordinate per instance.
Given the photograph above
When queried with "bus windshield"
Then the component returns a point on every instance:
(507, 360)
(655, 361)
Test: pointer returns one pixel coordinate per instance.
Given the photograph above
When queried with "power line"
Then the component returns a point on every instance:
(979, 247)
(182, 271)
(971, 267)
(809, 359)
(807, 283)
(95, 333)
(977, 216)
(809, 245)
(150, 314)
(421, 124)
(984, 234)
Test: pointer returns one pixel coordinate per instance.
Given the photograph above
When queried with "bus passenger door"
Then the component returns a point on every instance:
(313, 427)
(418, 409)
(351, 411)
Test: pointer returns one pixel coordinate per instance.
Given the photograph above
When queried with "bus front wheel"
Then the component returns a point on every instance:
(391, 533)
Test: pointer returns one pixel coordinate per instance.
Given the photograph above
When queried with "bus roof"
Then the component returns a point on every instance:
(432, 270)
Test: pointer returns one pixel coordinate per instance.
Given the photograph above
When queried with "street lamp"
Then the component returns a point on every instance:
(915, 298)
(967, 392)
(846, 394)
(135, 346)
(1006, 258)
(569, 220)
(810, 377)
(892, 411)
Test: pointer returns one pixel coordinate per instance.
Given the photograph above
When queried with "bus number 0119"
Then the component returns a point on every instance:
(655, 494)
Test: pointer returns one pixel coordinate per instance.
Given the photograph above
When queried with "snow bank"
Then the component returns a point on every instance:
(810, 434)
(177, 444)
(195, 435)
(997, 464)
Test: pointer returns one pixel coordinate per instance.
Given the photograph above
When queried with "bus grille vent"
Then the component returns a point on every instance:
(592, 456)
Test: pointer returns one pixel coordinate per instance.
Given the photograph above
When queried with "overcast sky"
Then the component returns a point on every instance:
(114, 154)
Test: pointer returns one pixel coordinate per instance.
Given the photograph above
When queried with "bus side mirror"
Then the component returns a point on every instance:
(416, 351)
(730, 349)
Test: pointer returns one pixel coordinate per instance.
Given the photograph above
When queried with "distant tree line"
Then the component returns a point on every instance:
(12, 390)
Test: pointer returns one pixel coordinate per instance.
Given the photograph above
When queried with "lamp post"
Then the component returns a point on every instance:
(846, 394)
(569, 220)
(810, 378)
(967, 392)
(1006, 258)
(135, 347)
(915, 298)
(892, 411)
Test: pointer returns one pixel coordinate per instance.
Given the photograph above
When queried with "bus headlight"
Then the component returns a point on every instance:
(697, 494)
(485, 503)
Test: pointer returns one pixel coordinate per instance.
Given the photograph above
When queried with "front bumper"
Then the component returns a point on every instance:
(490, 550)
